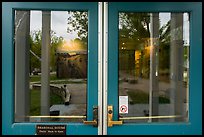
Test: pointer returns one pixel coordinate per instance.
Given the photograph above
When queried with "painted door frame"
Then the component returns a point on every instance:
(110, 61)
(194, 126)
(8, 124)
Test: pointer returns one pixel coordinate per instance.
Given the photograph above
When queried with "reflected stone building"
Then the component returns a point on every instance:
(71, 64)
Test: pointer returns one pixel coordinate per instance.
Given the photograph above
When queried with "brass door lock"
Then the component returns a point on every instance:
(95, 118)
(110, 118)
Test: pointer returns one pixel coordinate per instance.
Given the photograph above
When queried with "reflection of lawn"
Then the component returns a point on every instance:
(35, 78)
(35, 101)
(141, 97)
(67, 82)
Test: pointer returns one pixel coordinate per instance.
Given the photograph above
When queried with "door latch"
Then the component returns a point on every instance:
(110, 118)
(95, 118)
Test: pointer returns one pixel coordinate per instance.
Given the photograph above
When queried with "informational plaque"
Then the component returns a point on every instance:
(51, 129)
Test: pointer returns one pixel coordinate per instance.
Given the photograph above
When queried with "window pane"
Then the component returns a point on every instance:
(154, 66)
(65, 59)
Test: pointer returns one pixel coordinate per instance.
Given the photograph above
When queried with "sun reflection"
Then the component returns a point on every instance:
(68, 45)
(72, 46)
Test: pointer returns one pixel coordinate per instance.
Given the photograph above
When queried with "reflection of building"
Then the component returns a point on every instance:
(134, 58)
(71, 64)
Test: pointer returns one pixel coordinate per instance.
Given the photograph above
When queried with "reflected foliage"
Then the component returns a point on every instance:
(78, 21)
(134, 35)
(134, 51)
(35, 47)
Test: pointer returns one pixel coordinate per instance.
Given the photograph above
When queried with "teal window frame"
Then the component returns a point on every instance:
(194, 126)
(8, 8)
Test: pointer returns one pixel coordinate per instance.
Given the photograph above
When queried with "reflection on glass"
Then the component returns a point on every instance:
(67, 76)
(154, 66)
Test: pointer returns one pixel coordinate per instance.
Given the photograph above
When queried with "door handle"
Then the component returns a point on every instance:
(110, 118)
(94, 122)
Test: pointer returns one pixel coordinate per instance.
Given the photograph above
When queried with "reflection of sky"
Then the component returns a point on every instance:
(58, 23)
(165, 17)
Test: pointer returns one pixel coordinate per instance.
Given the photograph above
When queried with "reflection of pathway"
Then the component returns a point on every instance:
(143, 85)
(77, 91)
(70, 110)
(79, 98)
(137, 110)
(77, 104)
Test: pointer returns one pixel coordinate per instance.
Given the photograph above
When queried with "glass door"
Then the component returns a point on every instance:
(50, 79)
(101, 68)
(154, 66)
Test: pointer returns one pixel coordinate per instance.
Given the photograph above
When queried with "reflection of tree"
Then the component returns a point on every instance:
(78, 21)
(133, 38)
(35, 46)
(164, 49)
(134, 28)
(134, 34)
